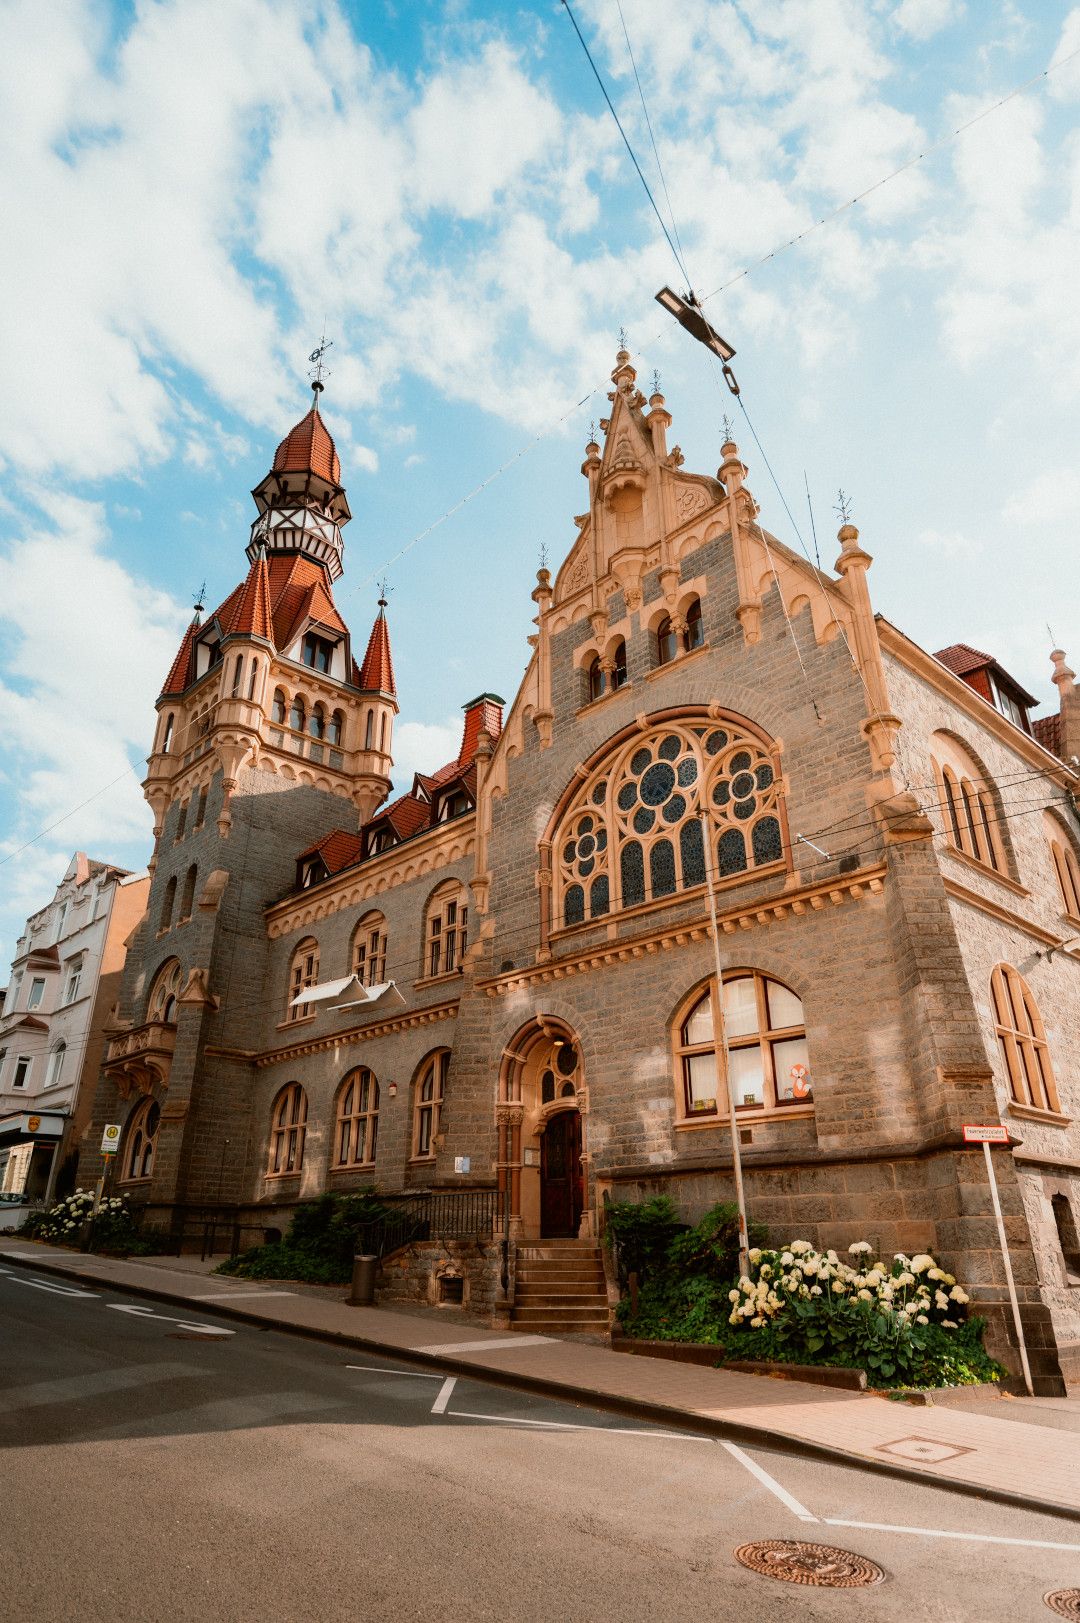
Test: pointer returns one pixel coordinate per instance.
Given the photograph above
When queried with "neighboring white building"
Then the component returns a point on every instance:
(65, 977)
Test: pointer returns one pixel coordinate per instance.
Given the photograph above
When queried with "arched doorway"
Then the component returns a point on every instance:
(542, 1113)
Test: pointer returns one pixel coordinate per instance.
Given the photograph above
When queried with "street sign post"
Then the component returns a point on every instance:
(998, 1133)
(110, 1138)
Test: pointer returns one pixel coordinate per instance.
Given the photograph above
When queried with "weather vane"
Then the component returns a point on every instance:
(318, 370)
(543, 555)
(656, 381)
(385, 589)
(199, 599)
(843, 507)
(623, 339)
(592, 432)
(729, 429)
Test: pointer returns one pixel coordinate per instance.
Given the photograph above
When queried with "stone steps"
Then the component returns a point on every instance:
(561, 1288)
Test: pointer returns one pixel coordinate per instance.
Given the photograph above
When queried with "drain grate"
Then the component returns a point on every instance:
(1065, 1602)
(199, 1335)
(822, 1565)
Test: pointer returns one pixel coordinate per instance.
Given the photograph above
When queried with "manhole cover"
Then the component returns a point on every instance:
(822, 1565)
(198, 1335)
(1065, 1602)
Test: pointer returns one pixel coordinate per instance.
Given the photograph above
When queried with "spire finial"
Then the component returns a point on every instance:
(543, 555)
(623, 338)
(656, 380)
(318, 370)
(385, 589)
(199, 600)
(843, 507)
(729, 430)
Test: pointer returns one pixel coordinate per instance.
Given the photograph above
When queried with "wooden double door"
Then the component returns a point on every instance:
(562, 1189)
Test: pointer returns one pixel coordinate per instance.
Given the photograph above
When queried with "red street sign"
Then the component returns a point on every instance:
(986, 1135)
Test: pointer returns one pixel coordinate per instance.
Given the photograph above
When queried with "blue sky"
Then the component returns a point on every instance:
(190, 189)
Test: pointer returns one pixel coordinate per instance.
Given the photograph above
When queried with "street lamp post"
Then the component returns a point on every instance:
(723, 1069)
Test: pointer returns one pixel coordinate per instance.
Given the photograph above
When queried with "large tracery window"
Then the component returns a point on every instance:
(356, 1137)
(163, 1003)
(1022, 1038)
(288, 1129)
(138, 1161)
(966, 800)
(766, 1049)
(633, 834)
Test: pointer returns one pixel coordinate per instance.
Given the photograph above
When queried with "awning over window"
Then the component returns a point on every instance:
(324, 991)
(352, 990)
(387, 993)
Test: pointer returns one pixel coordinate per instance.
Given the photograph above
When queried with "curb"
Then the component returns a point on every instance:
(659, 1413)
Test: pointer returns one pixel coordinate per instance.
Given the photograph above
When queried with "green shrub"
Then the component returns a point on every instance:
(711, 1249)
(320, 1245)
(640, 1233)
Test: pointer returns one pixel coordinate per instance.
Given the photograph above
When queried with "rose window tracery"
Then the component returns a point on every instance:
(633, 833)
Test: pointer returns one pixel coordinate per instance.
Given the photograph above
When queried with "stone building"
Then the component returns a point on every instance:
(500, 985)
(65, 978)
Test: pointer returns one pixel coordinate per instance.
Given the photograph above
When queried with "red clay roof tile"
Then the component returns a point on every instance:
(182, 672)
(309, 448)
(338, 849)
(377, 671)
(1047, 730)
(961, 659)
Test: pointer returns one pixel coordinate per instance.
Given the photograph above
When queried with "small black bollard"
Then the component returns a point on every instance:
(363, 1282)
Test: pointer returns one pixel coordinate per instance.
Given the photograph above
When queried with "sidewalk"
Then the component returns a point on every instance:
(1004, 1458)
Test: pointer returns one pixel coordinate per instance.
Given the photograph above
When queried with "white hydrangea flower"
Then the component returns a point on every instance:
(866, 1296)
(838, 1287)
(941, 1301)
(757, 1321)
(800, 1247)
(786, 1259)
(755, 1253)
(959, 1295)
(921, 1263)
(733, 1296)
(815, 1290)
(859, 1246)
(949, 1324)
(922, 1319)
(905, 1278)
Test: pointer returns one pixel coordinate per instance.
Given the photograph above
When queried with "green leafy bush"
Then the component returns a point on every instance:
(113, 1227)
(640, 1234)
(319, 1246)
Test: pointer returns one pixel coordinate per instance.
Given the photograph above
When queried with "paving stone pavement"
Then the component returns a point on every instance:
(1001, 1455)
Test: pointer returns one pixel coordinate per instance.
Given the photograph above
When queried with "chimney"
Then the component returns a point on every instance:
(482, 714)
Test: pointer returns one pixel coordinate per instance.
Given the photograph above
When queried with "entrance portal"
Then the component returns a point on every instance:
(561, 1183)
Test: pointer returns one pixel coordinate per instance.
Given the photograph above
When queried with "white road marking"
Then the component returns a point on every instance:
(569, 1425)
(940, 1532)
(502, 1345)
(418, 1374)
(98, 1383)
(230, 1296)
(57, 1290)
(439, 1406)
(769, 1482)
(185, 1324)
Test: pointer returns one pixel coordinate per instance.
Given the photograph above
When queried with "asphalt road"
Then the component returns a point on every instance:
(153, 1471)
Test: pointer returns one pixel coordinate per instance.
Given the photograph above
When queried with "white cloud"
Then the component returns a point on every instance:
(423, 747)
(1052, 497)
(922, 19)
(948, 543)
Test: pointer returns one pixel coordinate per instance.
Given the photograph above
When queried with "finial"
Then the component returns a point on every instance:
(318, 371)
(543, 555)
(199, 600)
(385, 590)
(623, 338)
(843, 507)
(729, 430)
(656, 381)
(592, 432)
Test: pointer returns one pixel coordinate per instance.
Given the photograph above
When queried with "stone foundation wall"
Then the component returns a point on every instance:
(412, 1275)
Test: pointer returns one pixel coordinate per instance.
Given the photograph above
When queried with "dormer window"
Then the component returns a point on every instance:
(312, 872)
(1009, 704)
(316, 652)
(381, 840)
(454, 805)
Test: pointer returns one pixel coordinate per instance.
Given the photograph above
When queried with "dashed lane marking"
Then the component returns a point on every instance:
(569, 1425)
(417, 1374)
(769, 1482)
(447, 1387)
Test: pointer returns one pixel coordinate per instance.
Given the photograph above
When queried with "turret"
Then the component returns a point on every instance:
(376, 719)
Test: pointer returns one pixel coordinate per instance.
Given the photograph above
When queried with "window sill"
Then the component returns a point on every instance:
(1049, 1118)
(421, 1161)
(283, 1177)
(677, 663)
(987, 872)
(743, 1118)
(604, 698)
(356, 1166)
(291, 1025)
(437, 980)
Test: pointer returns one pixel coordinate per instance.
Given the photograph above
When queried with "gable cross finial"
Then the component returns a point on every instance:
(318, 369)
(843, 507)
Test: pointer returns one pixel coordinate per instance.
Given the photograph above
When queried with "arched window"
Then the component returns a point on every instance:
(1068, 1239)
(141, 1142)
(334, 728)
(383, 726)
(618, 675)
(238, 675)
(253, 678)
(288, 1128)
(296, 714)
(446, 930)
(632, 833)
(278, 709)
(967, 805)
(667, 641)
(428, 1095)
(166, 739)
(168, 902)
(369, 730)
(695, 631)
(187, 901)
(303, 972)
(163, 1002)
(1022, 1038)
(1066, 866)
(594, 679)
(199, 802)
(369, 950)
(765, 1035)
(56, 1066)
(317, 722)
(356, 1128)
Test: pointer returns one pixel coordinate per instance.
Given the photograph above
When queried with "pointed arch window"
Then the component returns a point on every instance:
(594, 679)
(199, 802)
(618, 675)
(1022, 1039)
(428, 1095)
(163, 1003)
(633, 834)
(253, 678)
(187, 901)
(767, 1056)
(238, 675)
(288, 1129)
(968, 809)
(168, 902)
(141, 1143)
(369, 730)
(166, 740)
(356, 1127)
(369, 950)
(303, 972)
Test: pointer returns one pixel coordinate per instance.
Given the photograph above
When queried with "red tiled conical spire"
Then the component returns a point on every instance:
(309, 448)
(252, 614)
(377, 671)
(181, 673)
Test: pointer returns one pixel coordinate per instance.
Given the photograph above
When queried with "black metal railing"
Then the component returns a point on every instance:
(441, 1214)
